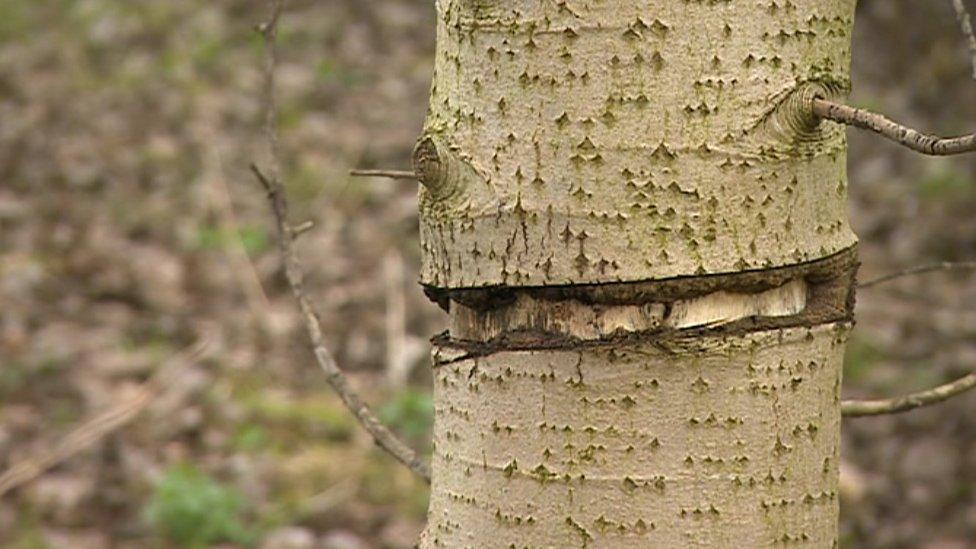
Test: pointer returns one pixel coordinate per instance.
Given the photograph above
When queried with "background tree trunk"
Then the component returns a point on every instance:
(639, 229)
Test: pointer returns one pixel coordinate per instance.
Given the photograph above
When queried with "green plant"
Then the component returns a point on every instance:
(191, 509)
(250, 438)
(254, 239)
(411, 412)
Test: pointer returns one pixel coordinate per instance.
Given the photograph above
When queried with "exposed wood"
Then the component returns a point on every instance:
(580, 320)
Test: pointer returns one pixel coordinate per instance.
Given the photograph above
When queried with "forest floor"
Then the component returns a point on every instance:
(130, 227)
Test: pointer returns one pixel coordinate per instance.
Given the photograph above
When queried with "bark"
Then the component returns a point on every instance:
(704, 442)
(639, 228)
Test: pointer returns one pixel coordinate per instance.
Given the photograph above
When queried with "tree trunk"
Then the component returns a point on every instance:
(639, 229)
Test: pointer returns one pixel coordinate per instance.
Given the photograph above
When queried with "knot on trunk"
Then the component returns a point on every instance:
(447, 178)
(427, 163)
(790, 127)
(794, 117)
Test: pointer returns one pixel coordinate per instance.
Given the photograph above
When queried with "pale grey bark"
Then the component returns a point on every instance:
(613, 143)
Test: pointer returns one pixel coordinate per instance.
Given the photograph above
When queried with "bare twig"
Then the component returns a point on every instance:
(944, 266)
(385, 438)
(302, 228)
(926, 144)
(858, 408)
(392, 174)
(269, 31)
(885, 127)
(104, 423)
(278, 203)
(967, 29)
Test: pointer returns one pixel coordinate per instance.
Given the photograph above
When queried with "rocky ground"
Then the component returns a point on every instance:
(130, 226)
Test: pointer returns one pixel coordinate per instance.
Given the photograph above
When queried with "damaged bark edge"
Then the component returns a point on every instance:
(485, 321)
(656, 291)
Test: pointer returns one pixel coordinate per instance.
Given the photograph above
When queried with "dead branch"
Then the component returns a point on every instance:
(100, 425)
(392, 174)
(859, 408)
(385, 438)
(302, 228)
(967, 29)
(922, 269)
(278, 203)
(269, 31)
(889, 129)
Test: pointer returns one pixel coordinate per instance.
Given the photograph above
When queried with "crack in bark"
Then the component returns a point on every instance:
(653, 291)
(830, 298)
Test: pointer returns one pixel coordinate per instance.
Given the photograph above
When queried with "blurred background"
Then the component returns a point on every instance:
(130, 226)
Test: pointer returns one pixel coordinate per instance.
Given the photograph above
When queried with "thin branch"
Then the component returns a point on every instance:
(100, 425)
(858, 408)
(385, 438)
(392, 174)
(302, 228)
(278, 203)
(967, 29)
(269, 31)
(887, 128)
(944, 266)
